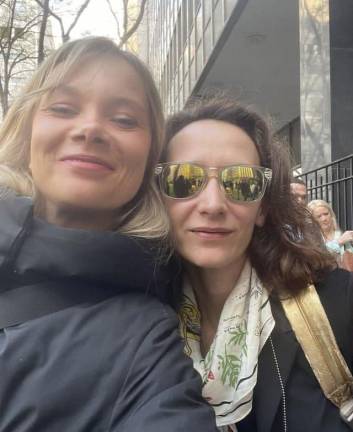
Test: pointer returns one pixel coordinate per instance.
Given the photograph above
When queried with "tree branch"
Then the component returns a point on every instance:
(54, 15)
(79, 13)
(115, 18)
(42, 31)
(134, 27)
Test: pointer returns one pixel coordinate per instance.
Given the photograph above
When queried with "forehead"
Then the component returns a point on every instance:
(321, 210)
(213, 143)
(108, 77)
(298, 188)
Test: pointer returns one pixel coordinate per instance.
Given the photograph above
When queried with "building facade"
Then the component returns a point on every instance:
(290, 59)
(182, 37)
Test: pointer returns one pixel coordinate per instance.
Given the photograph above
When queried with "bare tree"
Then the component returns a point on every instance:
(131, 18)
(18, 26)
(42, 31)
(26, 36)
(25, 39)
(49, 10)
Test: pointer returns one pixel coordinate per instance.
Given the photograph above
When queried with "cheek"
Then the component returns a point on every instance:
(172, 210)
(178, 213)
(39, 144)
(33, 158)
(136, 150)
(38, 163)
(260, 217)
(249, 216)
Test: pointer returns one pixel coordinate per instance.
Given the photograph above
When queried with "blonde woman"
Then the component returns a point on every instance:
(335, 240)
(85, 346)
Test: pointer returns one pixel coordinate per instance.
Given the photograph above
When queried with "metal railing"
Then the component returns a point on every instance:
(334, 183)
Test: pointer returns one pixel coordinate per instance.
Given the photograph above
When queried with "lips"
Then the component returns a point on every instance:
(87, 161)
(211, 233)
(212, 230)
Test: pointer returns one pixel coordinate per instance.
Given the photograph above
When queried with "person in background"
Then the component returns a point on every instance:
(85, 344)
(336, 240)
(238, 257)
(299, 191)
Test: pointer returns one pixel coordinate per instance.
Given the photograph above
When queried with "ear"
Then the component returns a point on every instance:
(261, 216)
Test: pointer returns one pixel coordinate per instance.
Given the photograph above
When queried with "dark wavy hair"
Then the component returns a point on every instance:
(288, 251)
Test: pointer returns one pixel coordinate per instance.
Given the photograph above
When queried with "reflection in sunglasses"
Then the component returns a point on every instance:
(241, 183)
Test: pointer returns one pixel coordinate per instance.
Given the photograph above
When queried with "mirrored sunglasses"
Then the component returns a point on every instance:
(240, 183)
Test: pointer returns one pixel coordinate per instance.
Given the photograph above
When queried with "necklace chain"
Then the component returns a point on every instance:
(284, 404)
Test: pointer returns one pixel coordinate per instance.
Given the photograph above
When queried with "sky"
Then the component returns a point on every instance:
(96, 20)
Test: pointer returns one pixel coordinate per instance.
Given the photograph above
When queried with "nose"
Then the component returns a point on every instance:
(89, 129)
(212, 200)
(301, 200)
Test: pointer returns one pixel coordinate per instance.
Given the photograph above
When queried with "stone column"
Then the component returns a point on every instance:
(341, 41)
(315, 99)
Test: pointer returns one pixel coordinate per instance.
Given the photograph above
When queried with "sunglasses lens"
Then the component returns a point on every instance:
(244, 184)
(182, 180)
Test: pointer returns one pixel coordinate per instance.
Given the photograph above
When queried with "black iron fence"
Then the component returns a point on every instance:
(334, 183)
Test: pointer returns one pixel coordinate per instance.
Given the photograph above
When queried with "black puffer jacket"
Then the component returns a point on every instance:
(113, 364)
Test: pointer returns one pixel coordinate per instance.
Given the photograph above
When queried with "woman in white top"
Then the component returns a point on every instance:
(335, 240)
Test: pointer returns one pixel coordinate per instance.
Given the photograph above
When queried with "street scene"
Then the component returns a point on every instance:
(176, 215)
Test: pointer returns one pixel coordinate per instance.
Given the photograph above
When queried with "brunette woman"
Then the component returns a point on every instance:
(243, 243)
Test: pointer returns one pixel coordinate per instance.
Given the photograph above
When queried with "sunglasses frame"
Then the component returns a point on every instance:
(266, 173)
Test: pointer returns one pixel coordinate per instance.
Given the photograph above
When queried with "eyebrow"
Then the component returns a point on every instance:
(120, 101)
(128, 102)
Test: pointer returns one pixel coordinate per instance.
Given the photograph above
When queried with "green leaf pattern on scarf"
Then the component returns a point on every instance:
(230, 364)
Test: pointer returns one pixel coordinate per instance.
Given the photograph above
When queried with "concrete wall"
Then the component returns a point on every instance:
(341, 42)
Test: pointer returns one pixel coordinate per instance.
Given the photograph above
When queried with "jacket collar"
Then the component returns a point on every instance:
(35, 250)
(268, 389)
(14, 214)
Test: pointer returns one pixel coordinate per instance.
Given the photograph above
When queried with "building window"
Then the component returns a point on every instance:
(229, 6)
(199, 26)
(199, 59)
(218, 20)
(207, 41)
(207, 11)
(17, 32)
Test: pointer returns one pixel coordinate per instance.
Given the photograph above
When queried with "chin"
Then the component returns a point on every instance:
(91, 198)
(209, 262)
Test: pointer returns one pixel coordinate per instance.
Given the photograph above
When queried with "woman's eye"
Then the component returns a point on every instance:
(125, 122)
(64, 110)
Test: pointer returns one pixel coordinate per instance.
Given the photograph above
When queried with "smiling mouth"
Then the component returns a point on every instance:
(87, 162)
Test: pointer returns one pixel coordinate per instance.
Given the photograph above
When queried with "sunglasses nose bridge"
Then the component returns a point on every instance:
(212, 172)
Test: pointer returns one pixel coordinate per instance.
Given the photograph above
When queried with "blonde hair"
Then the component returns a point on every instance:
(144, 215)
(321, 203)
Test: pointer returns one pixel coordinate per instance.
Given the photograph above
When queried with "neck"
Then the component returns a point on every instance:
(212, 288)
(70, 217)
(329, 234)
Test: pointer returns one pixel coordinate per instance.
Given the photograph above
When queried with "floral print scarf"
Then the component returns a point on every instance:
(229, 370)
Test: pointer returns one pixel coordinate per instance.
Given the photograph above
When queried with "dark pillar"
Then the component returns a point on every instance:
(341, 42)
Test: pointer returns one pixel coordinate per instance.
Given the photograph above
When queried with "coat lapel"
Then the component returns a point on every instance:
(268, 394)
